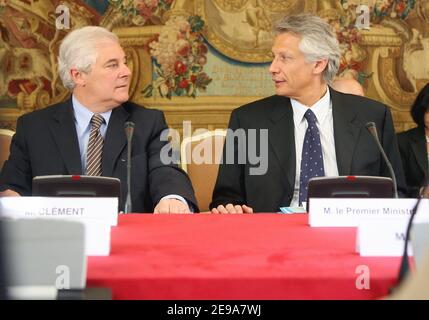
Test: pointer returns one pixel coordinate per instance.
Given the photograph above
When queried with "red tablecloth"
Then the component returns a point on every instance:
(259, 256)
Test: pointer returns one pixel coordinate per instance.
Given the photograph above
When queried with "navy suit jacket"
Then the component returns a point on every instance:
(356, 151)
(46, 143)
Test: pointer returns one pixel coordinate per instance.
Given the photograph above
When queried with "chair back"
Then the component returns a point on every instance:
(5, 140)
(200, 158)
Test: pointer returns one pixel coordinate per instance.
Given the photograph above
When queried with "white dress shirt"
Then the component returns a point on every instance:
(83, 117)
(322, 109)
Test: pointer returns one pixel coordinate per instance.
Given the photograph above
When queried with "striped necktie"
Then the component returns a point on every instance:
(95, 147)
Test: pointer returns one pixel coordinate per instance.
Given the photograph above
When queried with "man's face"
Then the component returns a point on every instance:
(108, 82)
(291, 73)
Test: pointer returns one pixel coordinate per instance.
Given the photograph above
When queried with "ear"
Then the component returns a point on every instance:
(78, 77)
(320, 66)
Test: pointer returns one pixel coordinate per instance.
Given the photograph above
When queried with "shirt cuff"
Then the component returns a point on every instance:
(180, 198)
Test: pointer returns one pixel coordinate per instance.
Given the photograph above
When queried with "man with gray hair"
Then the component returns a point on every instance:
(313, 130)
(85, 134)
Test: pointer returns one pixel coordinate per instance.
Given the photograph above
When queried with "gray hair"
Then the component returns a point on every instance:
(79, 50)
(318, 42)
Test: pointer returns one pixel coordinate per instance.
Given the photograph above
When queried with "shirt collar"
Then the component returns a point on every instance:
(83, 115)
(320, 109)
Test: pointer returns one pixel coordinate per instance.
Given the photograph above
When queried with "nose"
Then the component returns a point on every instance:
(125, 72)
(273, 67)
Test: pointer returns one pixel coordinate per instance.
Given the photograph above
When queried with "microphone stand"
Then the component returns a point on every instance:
(373, 131)
(405, 264)
(129, 130)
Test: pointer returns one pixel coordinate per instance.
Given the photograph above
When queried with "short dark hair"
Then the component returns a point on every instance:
(421, 106)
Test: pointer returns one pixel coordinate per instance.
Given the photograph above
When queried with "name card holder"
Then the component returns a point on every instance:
(97, 215)
(381, 238)
(345, 212)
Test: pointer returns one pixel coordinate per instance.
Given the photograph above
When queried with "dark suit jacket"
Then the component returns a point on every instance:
(46, 143)
(412, 146)
(356, 151)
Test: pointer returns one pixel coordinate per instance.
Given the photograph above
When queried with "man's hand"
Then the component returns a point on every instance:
(9, 193)
(171, 206)
(230, 208)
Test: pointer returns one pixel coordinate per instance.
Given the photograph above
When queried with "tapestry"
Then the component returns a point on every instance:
(207, 54)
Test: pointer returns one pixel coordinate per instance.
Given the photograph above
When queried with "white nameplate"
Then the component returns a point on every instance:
(97, 215)
(97, 238)
(382, 238)
(104, 209)
(342, 212)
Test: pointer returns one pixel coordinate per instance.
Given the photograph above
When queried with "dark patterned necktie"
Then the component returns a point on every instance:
(95, 147)
(312, 157)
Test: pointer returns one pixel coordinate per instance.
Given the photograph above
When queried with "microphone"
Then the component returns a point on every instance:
(373, 131)
(129, 130)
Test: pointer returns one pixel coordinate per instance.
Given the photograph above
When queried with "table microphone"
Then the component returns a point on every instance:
(129, 130)
(373, 130)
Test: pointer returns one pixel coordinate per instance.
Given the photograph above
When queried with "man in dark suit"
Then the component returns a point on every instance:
(85, 134)
(413, 149)
(313, 130)
(414, 145)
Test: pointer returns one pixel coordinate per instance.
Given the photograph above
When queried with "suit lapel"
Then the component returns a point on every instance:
(346, 132)
(418, 146)
(63, 130)
(282, 138)
(115, 140)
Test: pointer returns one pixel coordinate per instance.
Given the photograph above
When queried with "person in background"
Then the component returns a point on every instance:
(348, 85)
(85, 134)
(414, 145)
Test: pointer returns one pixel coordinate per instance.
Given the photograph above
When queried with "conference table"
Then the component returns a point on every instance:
(240, 257)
